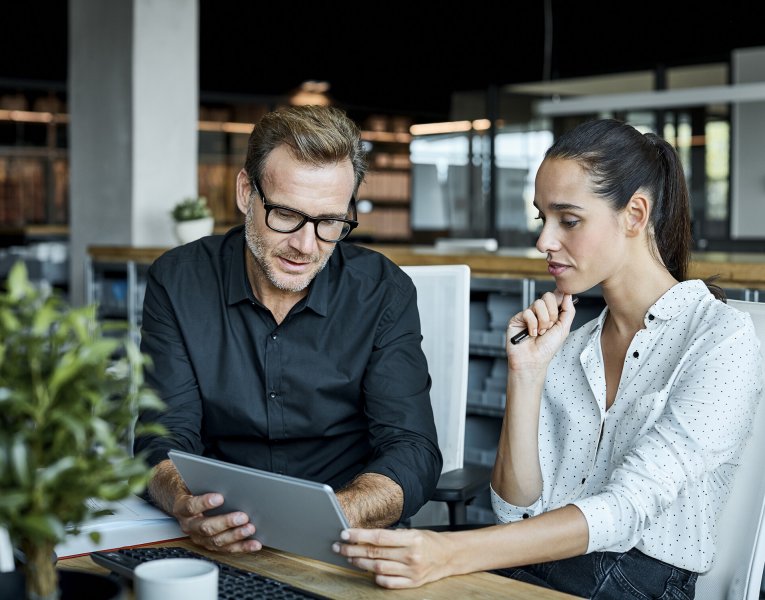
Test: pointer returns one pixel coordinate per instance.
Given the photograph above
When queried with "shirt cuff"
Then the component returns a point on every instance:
(506, 512)
(601, 524)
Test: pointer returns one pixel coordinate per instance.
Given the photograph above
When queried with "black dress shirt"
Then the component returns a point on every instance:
(340, 387)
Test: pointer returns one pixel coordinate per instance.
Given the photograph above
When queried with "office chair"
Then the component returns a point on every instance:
(738, 567)
(443, 299)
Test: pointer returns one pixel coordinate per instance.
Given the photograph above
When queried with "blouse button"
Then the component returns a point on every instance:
(636, 354)
(272, 394)
(525, 515)
(651, 317)
(273, 336)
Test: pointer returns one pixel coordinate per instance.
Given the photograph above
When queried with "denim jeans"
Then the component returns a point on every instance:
(610, 576)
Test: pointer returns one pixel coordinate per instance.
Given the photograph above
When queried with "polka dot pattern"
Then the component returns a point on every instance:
(653, 471)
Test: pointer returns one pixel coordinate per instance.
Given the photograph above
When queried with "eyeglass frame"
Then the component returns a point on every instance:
(352, 223)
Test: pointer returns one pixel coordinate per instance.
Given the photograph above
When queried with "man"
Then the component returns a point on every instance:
(280, 347)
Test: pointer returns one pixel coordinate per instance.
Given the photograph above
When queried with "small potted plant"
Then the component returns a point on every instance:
(193, 219)
(70, 388)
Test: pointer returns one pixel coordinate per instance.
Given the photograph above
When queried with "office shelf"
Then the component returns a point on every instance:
(117, 288)
(34, 166)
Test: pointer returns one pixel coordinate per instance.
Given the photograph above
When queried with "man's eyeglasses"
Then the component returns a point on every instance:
(288, 220)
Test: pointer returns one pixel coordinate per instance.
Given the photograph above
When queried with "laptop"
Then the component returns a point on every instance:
(290, 514)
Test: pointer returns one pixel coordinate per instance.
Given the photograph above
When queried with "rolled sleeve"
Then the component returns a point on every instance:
(506, 512)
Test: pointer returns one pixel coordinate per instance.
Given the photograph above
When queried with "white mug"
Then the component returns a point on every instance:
(176, 579)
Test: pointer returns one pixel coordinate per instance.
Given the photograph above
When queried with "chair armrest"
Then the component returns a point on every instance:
(462, 485)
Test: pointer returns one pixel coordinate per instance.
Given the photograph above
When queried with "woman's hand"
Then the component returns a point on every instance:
(548, 321)
(399, 558)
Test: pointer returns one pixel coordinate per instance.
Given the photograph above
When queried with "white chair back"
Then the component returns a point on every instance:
(443, 299)
(740, 560)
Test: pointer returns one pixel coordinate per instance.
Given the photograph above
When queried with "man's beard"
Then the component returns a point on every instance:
(260, 252)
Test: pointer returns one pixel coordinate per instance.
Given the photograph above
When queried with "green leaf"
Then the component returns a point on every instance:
(13, 500)
(9, 322)
(49, 474)
(44, 319)
(43, 526)
(18, 282)
(74, 426)
(19, 460)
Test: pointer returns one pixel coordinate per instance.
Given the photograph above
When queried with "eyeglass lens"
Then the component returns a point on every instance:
(287, 221)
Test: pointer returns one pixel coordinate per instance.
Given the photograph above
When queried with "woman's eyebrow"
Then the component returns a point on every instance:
(559, 206)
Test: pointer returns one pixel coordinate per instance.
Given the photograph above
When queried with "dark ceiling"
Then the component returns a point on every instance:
(408, 58)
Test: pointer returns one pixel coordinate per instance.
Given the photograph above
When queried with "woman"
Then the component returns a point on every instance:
(619, 439)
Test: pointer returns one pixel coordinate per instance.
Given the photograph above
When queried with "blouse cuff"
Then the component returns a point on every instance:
(505, 512)
(600, 523)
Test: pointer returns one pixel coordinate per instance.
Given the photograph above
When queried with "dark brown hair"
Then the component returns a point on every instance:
(620, 161)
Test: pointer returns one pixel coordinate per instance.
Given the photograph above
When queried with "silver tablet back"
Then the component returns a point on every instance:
(291, 514)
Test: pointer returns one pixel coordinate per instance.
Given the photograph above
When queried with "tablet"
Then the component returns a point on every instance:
(291, 514)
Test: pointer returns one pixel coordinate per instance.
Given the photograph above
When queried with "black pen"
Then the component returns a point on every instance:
(522, 335)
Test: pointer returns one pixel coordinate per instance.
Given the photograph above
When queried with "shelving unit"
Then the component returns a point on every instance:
(34, 168)
(388, 184)
(118, 286)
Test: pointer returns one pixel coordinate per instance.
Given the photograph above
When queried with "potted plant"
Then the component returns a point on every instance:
(70, 388)
(193, 219)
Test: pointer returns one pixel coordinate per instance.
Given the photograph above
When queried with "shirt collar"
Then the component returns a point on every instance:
(670, 305)
(239, 288)
(677, 298)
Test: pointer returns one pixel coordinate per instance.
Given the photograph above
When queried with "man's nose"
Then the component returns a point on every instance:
(304, 239)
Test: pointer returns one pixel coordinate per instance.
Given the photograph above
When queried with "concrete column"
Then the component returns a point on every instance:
(747, 217)
(133, 105)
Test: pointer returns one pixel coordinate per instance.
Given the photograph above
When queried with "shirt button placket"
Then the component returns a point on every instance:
(274, 405)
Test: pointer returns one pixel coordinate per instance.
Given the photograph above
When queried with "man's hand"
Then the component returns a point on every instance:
(222, 533)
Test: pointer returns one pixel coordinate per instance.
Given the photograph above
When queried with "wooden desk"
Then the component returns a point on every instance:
(736, 270)
(337, 582)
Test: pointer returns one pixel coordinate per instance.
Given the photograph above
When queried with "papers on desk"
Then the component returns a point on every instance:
(132, 521)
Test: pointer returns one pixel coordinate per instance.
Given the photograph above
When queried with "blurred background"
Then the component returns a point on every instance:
(457, 101)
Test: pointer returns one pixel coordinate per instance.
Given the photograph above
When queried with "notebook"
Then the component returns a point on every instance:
(290, 514)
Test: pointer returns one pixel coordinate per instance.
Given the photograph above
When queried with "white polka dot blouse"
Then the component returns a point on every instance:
(654, 471)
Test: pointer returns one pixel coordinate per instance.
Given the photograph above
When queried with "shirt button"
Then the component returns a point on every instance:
(583, 480)
(525, 515)
(651, 317)
(273, 336)
(636, 354)
(272, 394)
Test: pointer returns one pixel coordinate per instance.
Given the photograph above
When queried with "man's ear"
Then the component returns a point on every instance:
(636, 214)
(243, 192)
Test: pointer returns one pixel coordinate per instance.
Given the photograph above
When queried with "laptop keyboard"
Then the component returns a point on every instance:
(233, 583)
